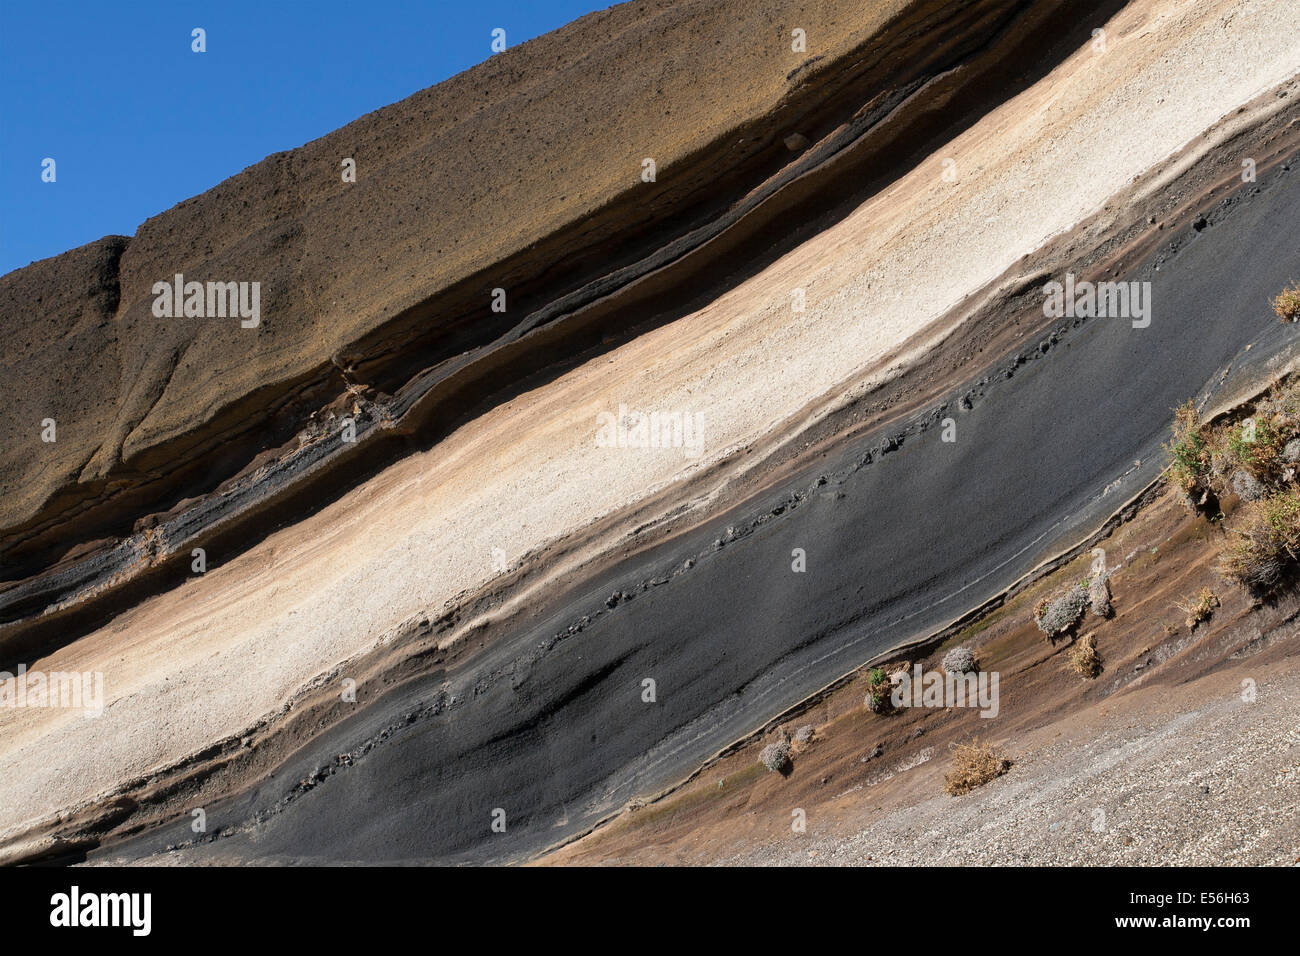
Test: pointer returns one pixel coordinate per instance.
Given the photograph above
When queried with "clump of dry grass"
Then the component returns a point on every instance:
(1084, 659)
(1200, 608)
(1287, 304)
(973, 765)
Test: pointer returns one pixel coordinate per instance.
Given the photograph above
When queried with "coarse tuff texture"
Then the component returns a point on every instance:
(521, 174)
(218, 655)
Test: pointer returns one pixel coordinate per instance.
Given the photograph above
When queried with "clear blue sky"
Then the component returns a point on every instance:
(136, 122)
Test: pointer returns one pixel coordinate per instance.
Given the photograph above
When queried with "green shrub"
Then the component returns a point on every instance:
(1191, 456)
(1258, 455)
(879, 689)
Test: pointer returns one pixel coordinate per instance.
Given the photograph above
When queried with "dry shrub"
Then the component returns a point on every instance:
(1200, 608)
(1247, 486)
(1056, 616)
(959, 660)
(1084, 659)
(1099, 597)
(1287, 304)
(1266, 545)
(776, 757)
(973, 765)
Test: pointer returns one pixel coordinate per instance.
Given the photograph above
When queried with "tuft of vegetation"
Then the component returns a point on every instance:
(1099, 596)
(1190, 454)
(1200, 608)
(1251, 459)
(973, 765)
(1287, 303)
(1258, 461)
(1257, 446)
(776, 757)
(879, 689)
(804, 734)
(1247, 486)
(959, 660)
(1084, 659)
(1266, 544)
(1058, 615)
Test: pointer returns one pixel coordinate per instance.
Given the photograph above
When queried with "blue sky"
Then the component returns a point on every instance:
(136, 121)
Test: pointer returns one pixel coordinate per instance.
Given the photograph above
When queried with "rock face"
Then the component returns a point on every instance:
(551, 528)
(523, 174)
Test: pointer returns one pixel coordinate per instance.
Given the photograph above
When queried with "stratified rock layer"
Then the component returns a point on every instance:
(957, 154)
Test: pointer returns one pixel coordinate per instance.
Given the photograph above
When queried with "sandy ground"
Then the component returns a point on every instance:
(1202, 778)
(206, 660)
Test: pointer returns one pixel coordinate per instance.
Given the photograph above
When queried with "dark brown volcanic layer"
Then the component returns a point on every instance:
(358, 289)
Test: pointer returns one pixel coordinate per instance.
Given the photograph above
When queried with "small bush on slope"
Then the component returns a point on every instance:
(973, 765)
(1200, 608)
(959, 660)
(1099, 596)
(1259, 450)
(776, 757)
(1287, 304)
(1266, 548)
(1057, 615)
(1247, 486)
(1258, 460)
(1084, 659)
(878, 690)
(1189, 451)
